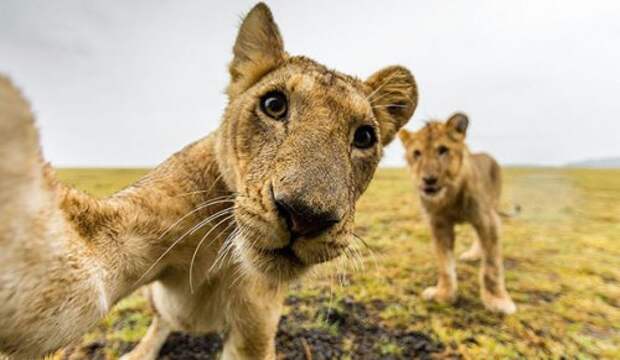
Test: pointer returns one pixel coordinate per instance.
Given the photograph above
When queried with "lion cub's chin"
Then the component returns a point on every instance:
(436, 197)
(292, 261)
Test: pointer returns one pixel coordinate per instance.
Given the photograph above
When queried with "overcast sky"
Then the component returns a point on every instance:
(127, 83)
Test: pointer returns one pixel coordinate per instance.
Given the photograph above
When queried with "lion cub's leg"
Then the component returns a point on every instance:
(253, 323)
(155, 337)
(443, 240)
(474, 253)
(149, 346)
(492, 288)
(241, 344)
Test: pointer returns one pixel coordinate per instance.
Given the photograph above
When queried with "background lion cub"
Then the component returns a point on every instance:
(456, 186)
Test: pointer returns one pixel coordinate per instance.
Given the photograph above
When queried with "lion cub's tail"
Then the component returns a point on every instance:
(509, 215)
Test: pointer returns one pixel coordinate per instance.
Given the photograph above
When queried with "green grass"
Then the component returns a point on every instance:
(562, 257)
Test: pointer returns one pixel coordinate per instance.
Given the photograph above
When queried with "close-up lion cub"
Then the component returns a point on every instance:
(456, 186)
(219, 229)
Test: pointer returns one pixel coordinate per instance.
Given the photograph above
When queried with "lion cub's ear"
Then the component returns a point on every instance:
(258, 49)
(393, 97)
(405, 136)
(457, 125)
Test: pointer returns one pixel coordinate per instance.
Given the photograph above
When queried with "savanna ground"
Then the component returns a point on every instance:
(562, 259)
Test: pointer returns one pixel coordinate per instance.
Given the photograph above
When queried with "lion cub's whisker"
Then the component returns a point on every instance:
(215, 182)
(357, 237)
(176, 242)
(225, 250)
(351, 259)
(200, 207)
(225, 244)
(191, 264)
(241, 271)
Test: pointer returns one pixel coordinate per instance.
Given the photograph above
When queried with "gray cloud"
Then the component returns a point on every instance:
(120, 83)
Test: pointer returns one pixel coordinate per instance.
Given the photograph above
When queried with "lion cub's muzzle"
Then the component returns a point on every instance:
(303, 216)
(301, 219)
(309, 224)
(430, 186)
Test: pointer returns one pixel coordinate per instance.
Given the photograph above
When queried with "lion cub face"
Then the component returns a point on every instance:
(435, 156)
(299, 144)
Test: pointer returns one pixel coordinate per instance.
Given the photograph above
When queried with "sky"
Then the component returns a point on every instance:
(127, 83)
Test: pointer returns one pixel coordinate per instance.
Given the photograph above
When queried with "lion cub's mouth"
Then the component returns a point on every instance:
(284, 253)
(431, 191)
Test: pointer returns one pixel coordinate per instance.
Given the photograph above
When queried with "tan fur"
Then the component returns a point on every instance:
(67, 257)
(467, 189)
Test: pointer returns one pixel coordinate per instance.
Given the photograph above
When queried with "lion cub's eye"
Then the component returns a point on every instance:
(417, 154)
(364, 137)
(274, 104)
(443, 150)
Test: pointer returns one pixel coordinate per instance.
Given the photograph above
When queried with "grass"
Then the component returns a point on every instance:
(562, 258)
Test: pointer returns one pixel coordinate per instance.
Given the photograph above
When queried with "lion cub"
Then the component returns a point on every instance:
(219, 229)
(456, 186)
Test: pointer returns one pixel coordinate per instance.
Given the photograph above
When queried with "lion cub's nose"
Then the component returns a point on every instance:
(430, 180)
(302, 219)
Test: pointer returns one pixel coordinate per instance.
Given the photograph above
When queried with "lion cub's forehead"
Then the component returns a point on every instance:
(317, 82)
(432, 133)
(325, 85)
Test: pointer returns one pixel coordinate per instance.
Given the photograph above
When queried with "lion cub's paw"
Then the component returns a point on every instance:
(471, 255)
(440, 295)
(497, 304)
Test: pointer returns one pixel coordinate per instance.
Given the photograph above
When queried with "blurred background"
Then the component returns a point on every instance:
(126, 83)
